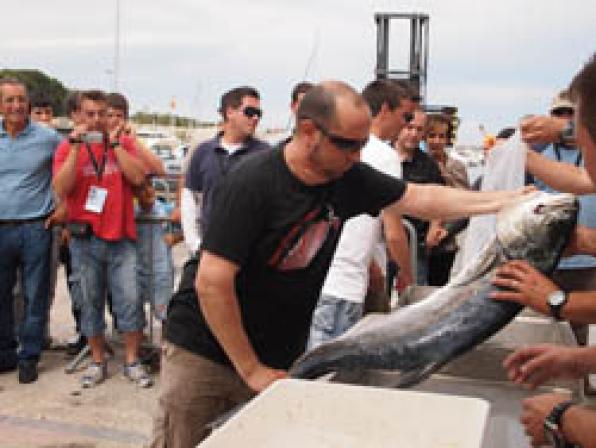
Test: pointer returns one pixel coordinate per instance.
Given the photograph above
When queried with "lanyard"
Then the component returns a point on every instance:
(578, 158)
(99, 169)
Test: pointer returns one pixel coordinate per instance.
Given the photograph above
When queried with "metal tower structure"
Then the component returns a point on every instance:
(415, 69)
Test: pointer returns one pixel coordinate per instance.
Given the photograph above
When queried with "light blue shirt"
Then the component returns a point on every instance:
(155, 267)
(587, 211)
(26, 172)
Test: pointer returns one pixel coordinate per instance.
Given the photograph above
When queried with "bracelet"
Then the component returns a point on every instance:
(113, 145)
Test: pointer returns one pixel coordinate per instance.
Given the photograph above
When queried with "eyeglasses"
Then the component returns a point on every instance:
(343, 143)
(251, 111)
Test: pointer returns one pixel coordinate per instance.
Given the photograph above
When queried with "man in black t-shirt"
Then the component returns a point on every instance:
(273, 230)
(418, 167)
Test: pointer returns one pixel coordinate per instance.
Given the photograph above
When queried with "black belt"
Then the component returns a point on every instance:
(18, 222)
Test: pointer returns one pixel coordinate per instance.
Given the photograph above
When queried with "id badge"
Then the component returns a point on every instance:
(96, 199)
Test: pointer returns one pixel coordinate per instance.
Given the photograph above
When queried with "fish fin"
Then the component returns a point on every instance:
(488, 258)
(413, 377)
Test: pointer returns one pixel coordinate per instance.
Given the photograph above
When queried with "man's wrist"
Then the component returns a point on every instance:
(564, 425)
(247, 368)
(567, 134)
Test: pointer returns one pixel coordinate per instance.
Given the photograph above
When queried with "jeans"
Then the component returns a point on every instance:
(99, 266)
(155, 268)
(26, 245)
(332, 317)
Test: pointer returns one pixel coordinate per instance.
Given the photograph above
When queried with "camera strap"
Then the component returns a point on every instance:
(99, 169)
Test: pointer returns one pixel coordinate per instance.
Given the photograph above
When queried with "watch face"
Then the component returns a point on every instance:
(556, 298)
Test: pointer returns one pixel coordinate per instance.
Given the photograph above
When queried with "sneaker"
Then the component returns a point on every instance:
(96, 373)
(137, 373)
(27, 371)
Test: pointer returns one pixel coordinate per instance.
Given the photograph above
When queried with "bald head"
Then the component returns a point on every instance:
(326, 102)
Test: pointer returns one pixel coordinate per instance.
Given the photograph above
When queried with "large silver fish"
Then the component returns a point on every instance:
(419, 339)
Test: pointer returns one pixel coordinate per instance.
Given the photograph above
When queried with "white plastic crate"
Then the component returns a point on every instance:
(311, 414)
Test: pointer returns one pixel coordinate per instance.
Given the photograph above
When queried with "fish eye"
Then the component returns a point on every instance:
(539, 209)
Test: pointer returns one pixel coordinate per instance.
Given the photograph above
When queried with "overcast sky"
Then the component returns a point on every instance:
(496, 60)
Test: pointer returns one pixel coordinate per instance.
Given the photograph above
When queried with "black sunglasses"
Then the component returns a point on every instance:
(343, 143)
(562, 112)
(251, 111)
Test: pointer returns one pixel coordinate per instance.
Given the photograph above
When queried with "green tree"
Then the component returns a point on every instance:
(37, 83)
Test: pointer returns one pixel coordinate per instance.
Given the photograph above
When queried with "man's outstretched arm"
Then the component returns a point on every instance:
(446, 203)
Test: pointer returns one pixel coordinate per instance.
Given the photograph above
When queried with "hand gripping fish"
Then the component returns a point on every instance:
(419, 339)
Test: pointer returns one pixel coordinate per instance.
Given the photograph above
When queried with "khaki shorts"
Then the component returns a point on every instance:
(194, 392)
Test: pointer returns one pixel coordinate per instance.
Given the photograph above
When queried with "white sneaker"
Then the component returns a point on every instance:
(96, 373)
(136, 372)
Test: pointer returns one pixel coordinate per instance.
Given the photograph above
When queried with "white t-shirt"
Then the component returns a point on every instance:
(347, 277)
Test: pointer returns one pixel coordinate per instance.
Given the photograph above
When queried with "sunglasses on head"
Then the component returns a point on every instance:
(251, 111)
(343, 143)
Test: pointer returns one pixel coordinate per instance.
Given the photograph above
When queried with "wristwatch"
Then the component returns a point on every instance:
(552, 425)
(567, 134)
(115, 144)
(74, 141)
(556, 300)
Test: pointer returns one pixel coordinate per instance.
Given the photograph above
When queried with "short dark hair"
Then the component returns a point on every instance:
(118, 101)
(319, 103)
(383, 91)
(233, 98)
(40, 100)
(93, 95)
(412, 91)
(12, 81)
(72, 102)
(301, 87)
(438, 119)
(583, 91)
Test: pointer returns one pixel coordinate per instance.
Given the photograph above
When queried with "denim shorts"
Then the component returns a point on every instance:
(99, 266)
(332, 317)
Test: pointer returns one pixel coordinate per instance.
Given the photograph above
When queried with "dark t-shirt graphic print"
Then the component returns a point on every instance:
(305, 239)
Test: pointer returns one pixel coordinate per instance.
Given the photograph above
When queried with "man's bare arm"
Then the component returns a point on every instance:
(153, 163)
(132, 168)
(215, 286)
(446, 203)
(559, 175)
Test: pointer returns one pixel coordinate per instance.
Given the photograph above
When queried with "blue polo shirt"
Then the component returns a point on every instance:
(210, 162)
(26, 172)
(587, 202)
